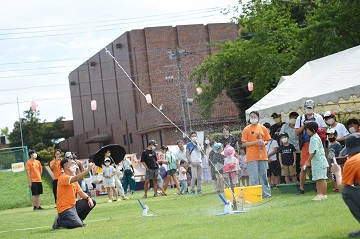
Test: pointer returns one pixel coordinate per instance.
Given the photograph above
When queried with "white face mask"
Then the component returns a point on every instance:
(292, 121)
(330, 121)
(207, 141)
(352, 130)
(73, 168)
(277, 120)
(254, 120)
(34, 155)
(193, 138)
(153, 147)
(284, 140)
(309, 111)
(107, 163)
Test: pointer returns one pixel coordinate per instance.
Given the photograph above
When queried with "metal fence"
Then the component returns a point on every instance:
(8, 156)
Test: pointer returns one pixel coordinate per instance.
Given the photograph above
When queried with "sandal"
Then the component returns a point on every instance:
(145, 196)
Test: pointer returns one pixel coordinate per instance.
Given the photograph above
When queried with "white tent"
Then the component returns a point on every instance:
(333, 82)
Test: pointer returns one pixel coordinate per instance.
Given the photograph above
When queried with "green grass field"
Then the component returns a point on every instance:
(187, 216)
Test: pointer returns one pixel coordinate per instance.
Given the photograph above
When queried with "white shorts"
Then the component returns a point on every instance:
(109, 184)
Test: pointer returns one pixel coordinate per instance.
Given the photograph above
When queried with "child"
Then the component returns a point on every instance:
(244, 173)
(160, 183)
(334, 151)
(109, 180)
(231, 164)
(162, 170)
(216, 163)
(317, 160)
(287, 156)
(182, 176)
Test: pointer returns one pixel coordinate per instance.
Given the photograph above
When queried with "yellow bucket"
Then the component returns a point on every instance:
(249, 194)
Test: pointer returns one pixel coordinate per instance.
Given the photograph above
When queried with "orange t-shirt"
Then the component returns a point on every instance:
(351, 170)
(57, 169)
(253, 133)
(66, 193)
(34, 167)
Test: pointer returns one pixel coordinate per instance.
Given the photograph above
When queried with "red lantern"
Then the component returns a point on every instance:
(250, 86)
(93, 105)
(33, 105)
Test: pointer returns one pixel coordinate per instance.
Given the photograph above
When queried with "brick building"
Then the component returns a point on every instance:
(122, 115)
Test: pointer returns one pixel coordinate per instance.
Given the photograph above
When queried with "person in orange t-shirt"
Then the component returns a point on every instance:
(351, 172)
(56, 169)
(34, 171)
(72, 213)
(254, 138)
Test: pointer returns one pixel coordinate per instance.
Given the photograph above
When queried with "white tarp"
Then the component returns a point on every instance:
(333, 82)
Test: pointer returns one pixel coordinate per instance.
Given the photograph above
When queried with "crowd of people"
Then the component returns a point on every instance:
(267, 155)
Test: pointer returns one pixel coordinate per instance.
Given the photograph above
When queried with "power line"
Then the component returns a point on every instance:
(120, 54)
(103, 25)
(73, 33)
(121, 19)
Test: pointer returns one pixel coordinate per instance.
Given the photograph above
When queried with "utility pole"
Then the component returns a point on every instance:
(177, 55)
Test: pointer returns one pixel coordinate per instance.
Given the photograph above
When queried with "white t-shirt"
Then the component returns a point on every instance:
(181, 155)
(271, 145)
(341, 130)
(182, 176)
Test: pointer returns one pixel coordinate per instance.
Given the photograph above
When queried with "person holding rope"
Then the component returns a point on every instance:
(72, 213)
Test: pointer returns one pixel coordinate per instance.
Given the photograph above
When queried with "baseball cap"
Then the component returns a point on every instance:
(329, 114)
(217, 146)
(107, 159)
(331, 131)
(352, 143)
(153, 142)
(68, 155)
(283, 134)
(309, 104)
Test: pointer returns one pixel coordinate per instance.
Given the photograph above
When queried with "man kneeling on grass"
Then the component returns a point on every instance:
(351, 173)
(71, 213)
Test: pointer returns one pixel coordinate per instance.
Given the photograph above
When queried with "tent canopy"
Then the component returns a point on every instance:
(332, 82)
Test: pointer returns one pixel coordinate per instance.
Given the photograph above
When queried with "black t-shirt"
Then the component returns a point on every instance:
(149, 158)
(231, 140)
(287, 154)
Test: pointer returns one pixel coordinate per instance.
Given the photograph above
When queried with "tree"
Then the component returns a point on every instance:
(276, 38)
(5, 131)
(36, 134)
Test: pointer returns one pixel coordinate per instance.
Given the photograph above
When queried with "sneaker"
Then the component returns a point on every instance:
(193, 192)
(35, 208)
(40, 208)
(132, 192)
(199, 192)
(300, 192)
(145, 196)
(155, 195)
(110, 201)
(354, 234)
(56, 223)
(319, 197)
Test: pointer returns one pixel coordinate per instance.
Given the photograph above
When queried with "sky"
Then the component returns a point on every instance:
(42, 41)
